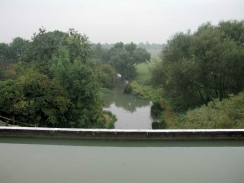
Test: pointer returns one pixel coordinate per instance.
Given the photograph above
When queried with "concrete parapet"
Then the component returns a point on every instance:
(115, 134)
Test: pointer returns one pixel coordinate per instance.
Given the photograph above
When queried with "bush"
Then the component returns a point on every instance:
(110, 119)
(229, 113)
(128, 89)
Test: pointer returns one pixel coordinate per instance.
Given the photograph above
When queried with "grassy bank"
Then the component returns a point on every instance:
(141, 84)
(142, 89)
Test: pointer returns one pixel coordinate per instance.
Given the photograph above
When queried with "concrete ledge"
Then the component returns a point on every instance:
(105, 134)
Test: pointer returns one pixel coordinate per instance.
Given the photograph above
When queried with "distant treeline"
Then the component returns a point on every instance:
(147, 46)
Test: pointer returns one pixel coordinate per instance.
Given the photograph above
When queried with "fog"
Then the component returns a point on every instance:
(113, 20)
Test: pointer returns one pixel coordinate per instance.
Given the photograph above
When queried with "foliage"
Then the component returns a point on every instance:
(143, 91)
(79, 78)
(110, 119)
(79, 46)
(83, 90)
(44, 45)
(101, 55)
(128, 89)
(17, 49)
(35, 99)
(42, 48)
(159, 125)
(197, 68)
(60, 66)
(106, 75)
(57, 85)
(14, 51)
(4, 52)
(229, 113)
(123, 58)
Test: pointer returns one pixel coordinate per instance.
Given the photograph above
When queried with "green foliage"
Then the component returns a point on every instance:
(228, 113)
(125, 57)
(60, 66)
(79, 46)
(43, 46)
(143, 91)
(17, 49)
(110, 119)
(128, 89)
(159, 125)
(34, 99)
(83, 90)
(197, 68)
(101, 55)
(57, 85)
(4, 52)
(106, 75)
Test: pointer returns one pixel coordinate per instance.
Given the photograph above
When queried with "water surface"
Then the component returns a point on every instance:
(63, 162)
(131, 112)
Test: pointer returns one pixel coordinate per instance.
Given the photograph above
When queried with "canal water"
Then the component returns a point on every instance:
(62, 161)
(131, 112)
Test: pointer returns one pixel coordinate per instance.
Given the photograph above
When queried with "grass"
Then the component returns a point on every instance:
(143, 70)
(143, 73)
(142, 89)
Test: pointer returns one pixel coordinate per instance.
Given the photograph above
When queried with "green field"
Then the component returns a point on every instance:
(143, 73)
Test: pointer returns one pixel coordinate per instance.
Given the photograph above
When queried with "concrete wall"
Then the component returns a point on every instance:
(115, 134)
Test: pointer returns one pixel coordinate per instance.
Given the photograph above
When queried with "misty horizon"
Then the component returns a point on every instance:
(114, 21)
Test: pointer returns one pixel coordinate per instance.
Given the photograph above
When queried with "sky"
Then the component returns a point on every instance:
(111, 21)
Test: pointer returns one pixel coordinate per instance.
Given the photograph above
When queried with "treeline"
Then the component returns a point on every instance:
(55, 79)
(51, 81)
(200, 67)
(147, 46)
(122, 57)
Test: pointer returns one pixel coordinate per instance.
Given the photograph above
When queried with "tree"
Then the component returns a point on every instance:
(100, 54)
(83, 90)
(4, 52)
(79, 46)
(17, 49)
(106, 75)
(34, 99)
(123, 58)
(81, 83)
(197, 68)
(60, 66)
(233, 30)
(57, 85)
(43, 47)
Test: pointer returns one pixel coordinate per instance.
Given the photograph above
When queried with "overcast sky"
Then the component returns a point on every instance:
(112, 21)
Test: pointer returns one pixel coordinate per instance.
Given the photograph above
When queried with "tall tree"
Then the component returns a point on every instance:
(79, 46)
(125, 57)
(198, 67)
(17, 49)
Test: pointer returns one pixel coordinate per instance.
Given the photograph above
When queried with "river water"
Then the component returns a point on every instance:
(131, 112)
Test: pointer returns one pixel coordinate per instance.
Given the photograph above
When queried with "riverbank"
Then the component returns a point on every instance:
(214, 115)
(141, 88)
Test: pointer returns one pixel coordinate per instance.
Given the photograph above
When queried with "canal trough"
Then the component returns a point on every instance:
(107, 156)
(122, 134)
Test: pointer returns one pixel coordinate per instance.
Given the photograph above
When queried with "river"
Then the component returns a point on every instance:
(131, 112)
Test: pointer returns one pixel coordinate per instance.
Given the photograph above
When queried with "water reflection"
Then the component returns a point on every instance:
(131, 112)
(121, 100)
